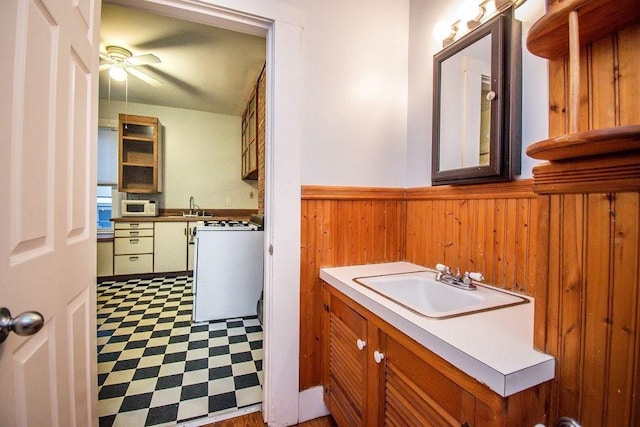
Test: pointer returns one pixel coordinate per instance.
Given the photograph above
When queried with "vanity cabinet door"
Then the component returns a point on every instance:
(416, 393)
(346, 379)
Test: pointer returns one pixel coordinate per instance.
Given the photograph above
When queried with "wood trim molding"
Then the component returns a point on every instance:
(593, 175)
(504, 190)
(320, 192)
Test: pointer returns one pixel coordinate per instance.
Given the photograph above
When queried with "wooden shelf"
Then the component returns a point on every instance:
(597, 142)
(549, 36)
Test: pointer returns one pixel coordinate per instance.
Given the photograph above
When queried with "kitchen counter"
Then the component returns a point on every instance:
(176, 218)
(495, 347)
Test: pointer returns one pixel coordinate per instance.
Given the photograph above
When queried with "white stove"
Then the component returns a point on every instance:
(228, 270)
(223, 224)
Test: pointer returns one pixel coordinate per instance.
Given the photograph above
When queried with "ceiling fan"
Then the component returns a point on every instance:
(120, 62)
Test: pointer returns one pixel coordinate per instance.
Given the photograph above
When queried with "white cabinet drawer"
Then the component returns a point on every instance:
(132, 225)
(133, 245)
(132, 232)
(133, 264)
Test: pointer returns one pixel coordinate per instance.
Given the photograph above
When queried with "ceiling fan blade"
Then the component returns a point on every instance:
(144, 77)
(149, 58)
(105, 66)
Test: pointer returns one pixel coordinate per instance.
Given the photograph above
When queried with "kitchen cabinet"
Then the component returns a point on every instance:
(250, 138)
(140, 154)
(170, 246)
(105, 258)
(374, 374)
(133, 248)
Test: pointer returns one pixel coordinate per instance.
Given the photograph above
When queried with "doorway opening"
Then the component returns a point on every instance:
(230, 323)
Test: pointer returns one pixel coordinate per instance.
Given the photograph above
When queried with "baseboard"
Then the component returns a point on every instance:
(311, 404)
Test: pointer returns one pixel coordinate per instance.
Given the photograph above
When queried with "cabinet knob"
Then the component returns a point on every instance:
(377, 356)
(361, 344)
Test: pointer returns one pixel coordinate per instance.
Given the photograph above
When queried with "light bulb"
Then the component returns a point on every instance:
(117, 72)
(443, 31)
(470, 11)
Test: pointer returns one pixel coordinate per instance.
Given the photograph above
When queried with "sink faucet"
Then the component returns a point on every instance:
(192, 205)
(462, 281)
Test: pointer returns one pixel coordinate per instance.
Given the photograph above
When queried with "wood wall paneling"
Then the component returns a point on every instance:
(489, 232)
(341, 226)
(485, 228)
(589, 274)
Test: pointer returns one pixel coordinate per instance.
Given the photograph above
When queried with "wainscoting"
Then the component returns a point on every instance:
(489, 228)
(341, 226)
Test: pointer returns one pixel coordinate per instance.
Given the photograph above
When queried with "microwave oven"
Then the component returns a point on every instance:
(139, 208)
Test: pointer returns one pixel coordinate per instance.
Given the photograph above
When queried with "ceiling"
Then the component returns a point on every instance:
(202, 67)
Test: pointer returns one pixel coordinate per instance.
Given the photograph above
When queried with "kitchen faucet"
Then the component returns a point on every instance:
(192, 205)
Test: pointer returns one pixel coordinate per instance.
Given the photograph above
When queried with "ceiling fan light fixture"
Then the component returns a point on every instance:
(118, 73)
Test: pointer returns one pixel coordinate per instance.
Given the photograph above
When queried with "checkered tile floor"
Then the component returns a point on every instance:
(156, 367)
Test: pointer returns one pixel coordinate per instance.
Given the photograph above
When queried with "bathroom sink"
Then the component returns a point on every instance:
(420, 293)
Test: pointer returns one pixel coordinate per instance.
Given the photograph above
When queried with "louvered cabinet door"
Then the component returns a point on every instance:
(416, 394)
(347, 376)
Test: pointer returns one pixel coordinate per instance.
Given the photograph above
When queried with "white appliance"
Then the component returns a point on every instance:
(139, 208)
(228, 270)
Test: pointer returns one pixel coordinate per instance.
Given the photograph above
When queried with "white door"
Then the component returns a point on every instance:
(48, 106)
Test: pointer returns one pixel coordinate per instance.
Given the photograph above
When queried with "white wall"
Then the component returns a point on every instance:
(354, 109)
(201, 157)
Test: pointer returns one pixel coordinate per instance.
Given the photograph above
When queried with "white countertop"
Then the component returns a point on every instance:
(495, 347)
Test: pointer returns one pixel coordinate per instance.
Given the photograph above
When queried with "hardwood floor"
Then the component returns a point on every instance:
(255, 420)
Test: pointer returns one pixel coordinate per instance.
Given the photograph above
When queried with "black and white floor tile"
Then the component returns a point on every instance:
(157, 368)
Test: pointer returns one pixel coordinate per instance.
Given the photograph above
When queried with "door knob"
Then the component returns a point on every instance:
(27, 323)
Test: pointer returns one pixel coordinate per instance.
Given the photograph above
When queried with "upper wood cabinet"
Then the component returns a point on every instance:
(140, 154)
(250, 138)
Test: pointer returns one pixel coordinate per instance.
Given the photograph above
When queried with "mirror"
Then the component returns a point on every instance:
(477, 105)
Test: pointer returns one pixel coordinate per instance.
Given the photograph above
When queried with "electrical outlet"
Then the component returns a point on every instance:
(228, 201)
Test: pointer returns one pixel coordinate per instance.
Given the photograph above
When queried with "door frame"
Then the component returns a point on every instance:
(281, 24)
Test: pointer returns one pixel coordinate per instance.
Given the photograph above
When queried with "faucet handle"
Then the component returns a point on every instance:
(476, 276)
(442, 268)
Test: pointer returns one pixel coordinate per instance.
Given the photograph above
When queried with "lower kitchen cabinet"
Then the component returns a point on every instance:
(133, 248)
(170, 247)
(105, 258)
(374, 375)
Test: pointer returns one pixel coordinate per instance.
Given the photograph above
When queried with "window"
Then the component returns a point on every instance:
(104, 193)
(107, 177)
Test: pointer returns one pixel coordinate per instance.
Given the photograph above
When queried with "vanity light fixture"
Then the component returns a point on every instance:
(443, 31)
(470, 11)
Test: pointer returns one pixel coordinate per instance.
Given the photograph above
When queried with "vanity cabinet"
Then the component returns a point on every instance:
(133, 248)
(140, 154)
(346, 379)
(374, 375)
